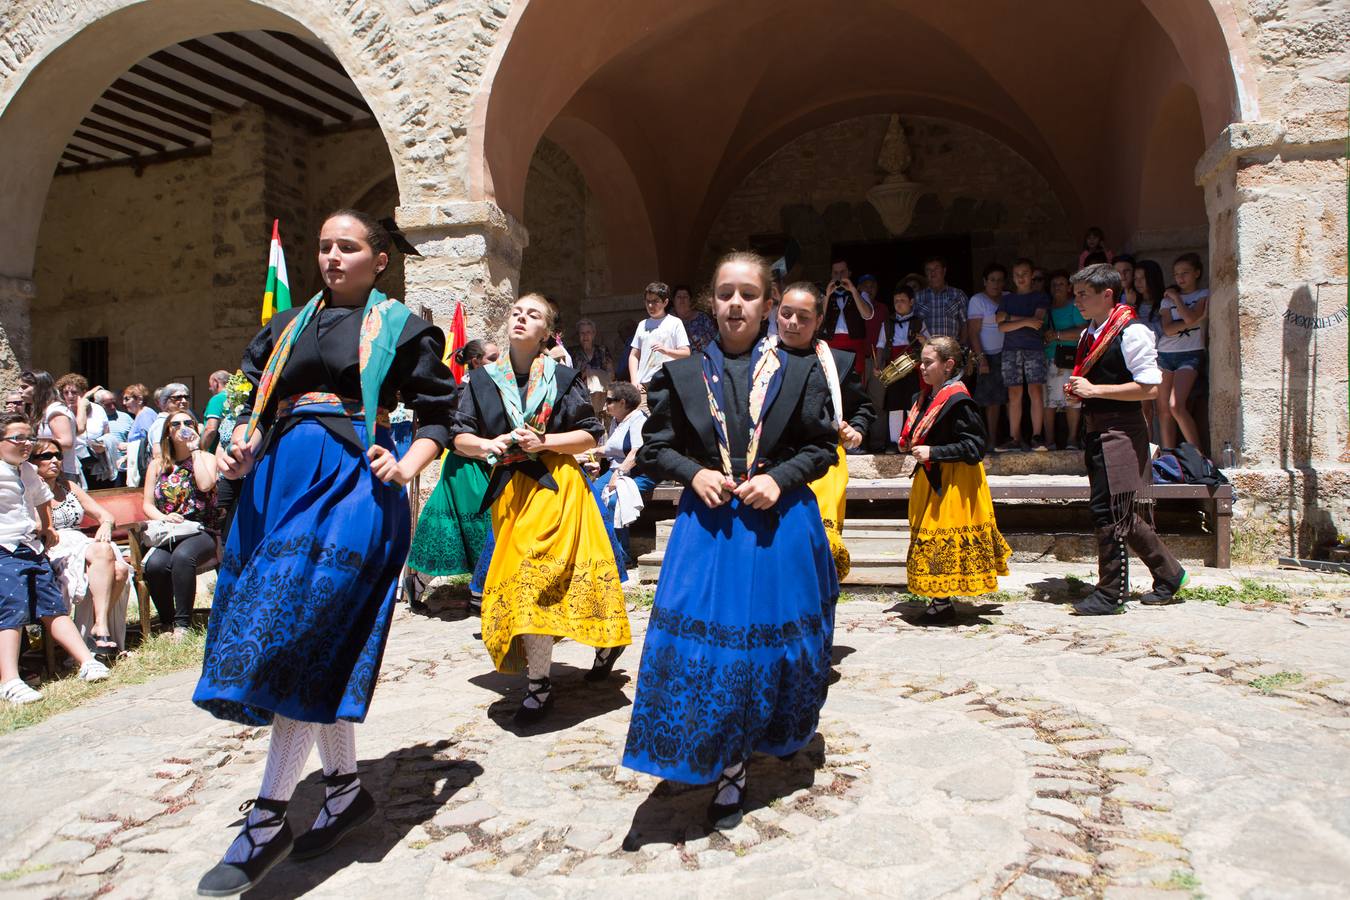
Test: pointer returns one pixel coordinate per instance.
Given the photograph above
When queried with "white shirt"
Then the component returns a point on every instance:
(95, 426)
(902, 337)
(1140, 352)
(70, 465)
(1182, 343)
(630, 427)
(22, 491)
(986, 310)
(668, 331)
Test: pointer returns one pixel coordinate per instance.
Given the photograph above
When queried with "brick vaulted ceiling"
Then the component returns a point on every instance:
(161, 107)
(669, 106)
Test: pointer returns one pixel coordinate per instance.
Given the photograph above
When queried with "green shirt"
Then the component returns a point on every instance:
(1062, 318)
(215, 407)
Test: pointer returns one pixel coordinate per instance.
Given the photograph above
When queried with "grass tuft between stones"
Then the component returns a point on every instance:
(1268, 684)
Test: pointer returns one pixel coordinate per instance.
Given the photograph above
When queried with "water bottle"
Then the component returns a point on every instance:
(1228, 460)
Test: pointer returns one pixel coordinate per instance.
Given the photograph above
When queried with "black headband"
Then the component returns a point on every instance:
(400, 240)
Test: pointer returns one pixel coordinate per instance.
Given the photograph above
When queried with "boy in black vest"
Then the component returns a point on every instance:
(1116, 368)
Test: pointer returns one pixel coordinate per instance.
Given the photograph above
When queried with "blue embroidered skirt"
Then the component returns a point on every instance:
(305, 592)
(737, 654)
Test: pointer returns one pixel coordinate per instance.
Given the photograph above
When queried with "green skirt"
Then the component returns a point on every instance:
(451, 531)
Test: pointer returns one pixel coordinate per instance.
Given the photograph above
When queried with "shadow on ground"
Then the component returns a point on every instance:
(1058, 590)
(404, 783)
(574, 699)
(675, 813)
(967, 613)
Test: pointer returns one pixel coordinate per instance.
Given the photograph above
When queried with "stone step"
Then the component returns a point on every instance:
(854, 529)
(1056, 462)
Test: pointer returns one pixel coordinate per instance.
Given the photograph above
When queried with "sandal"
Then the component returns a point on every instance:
(228, 879)
(604, 663)
(529, 715)
(320, 839)
(721, 814)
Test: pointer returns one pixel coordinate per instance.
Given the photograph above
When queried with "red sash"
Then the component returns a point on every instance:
(916, 426)
(1086, 357)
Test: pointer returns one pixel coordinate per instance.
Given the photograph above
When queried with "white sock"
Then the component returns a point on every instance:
(286, 757)
(895, 420)
(732, 792)
(337, 752)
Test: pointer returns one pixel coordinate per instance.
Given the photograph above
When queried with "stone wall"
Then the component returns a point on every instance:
(554, 264)
(814, 190)
(170, 264)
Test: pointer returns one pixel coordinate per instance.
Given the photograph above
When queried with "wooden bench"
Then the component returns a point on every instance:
(128, 510)
(1218, 500)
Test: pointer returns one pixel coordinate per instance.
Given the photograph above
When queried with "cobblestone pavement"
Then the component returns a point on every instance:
(1177, 752)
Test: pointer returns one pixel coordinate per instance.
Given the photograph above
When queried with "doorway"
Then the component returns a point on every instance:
(889, 261)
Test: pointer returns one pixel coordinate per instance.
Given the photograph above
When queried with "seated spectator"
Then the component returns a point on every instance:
(28, 588)
(620, 451)
(986, 346)
(88, 569)
(1061, 344)
(597, 367)
(107, 451)
(1149, 289)
(50, 417)
(173, 398)
(698, 325)
(215, 409)
(180, 486)
(1021, 318)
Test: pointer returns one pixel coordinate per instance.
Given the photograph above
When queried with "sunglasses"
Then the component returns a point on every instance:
(18, 439)
(43, 457)
(183, 423)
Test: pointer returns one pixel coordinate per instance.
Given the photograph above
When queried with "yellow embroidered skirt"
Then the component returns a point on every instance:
(955, 548)
(553, 569)
(829, 490)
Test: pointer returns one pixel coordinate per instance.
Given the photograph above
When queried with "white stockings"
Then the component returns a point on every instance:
(538, 663)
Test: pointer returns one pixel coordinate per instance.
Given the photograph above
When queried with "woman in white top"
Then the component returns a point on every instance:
(50, 417)
(620, 449)
(1181, 349)
(85, 566)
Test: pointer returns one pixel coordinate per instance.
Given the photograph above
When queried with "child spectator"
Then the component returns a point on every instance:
(1181, 350)
(660, 337)
(28, 588)
(1124, 264)
(902, 331)
(1094, 241)
(986, 345)
(1021, 318)
(1148, 290)
(1065, 327)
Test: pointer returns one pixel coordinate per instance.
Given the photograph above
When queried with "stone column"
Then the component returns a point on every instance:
(16, 306)
(471, 254)
(1277, 334)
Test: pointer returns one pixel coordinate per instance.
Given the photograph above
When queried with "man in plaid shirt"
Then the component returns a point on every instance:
(941, 306)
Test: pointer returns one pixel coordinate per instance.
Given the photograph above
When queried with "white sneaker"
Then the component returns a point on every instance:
(93, 670)
(18, 692)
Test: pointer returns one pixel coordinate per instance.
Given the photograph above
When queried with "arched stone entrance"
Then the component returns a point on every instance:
(1112, 103)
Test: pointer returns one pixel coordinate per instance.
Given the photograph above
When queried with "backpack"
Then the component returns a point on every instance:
(1186, 465)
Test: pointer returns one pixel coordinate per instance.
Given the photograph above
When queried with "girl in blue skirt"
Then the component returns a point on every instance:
(737, 654)
(306, 587)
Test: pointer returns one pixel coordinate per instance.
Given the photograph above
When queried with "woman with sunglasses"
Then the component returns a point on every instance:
(85, 566)
(623, 403)
(180, 486)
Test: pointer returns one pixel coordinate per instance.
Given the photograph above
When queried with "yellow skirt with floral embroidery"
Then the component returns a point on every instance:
(955, 548)
(829, 490)
(553, 569)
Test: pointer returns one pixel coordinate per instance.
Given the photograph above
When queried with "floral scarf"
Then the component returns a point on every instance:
(831, 371)
(541, 394)
(382, 322)
(766, 377)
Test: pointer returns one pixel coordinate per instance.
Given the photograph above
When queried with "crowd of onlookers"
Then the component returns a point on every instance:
(58, 563)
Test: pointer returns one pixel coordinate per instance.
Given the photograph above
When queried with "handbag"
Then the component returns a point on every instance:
(161, 533)
(1064, 356)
